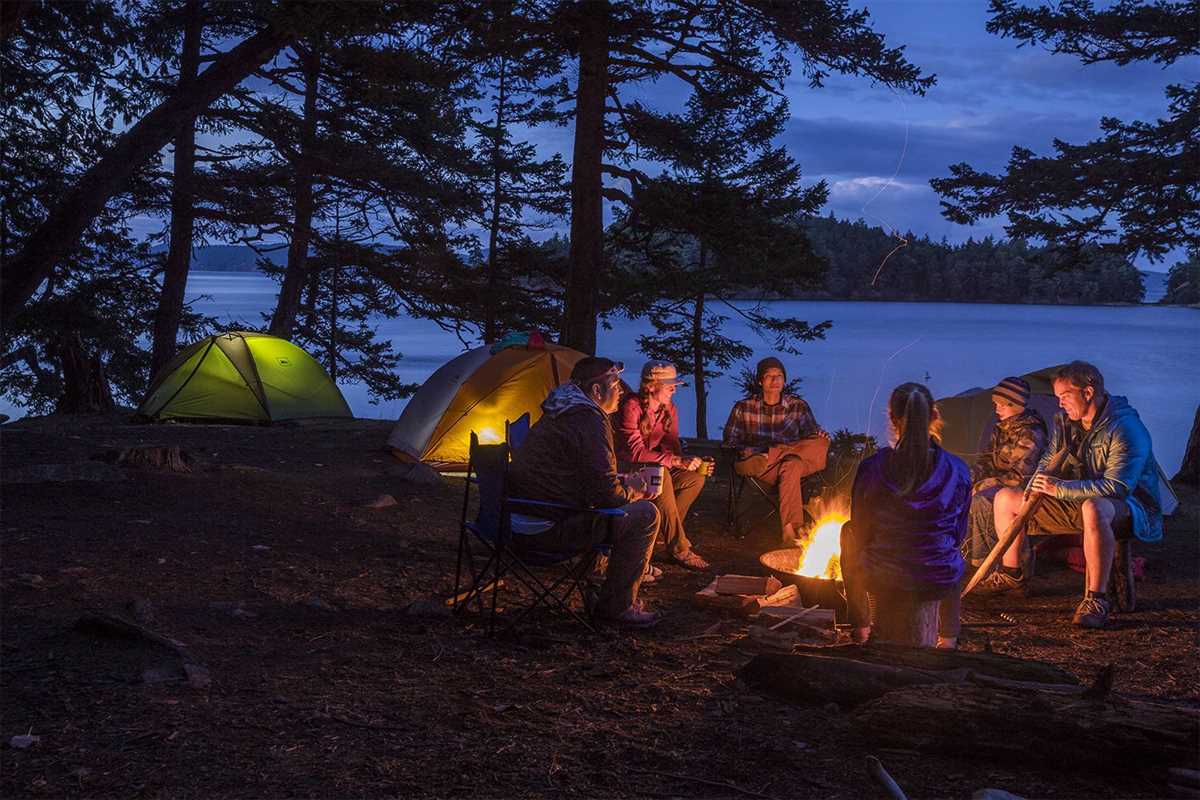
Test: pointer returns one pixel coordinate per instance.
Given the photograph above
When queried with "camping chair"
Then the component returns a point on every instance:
(739, 519)
(496, 528)
(516, 431)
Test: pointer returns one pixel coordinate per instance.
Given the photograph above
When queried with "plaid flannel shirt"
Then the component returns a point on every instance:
(756, 425)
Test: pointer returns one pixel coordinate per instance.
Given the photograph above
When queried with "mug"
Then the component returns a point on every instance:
(708, 466)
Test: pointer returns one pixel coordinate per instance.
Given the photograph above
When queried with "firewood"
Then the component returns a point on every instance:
(816, 617)
(814, 680)
(1005, 725)
(748, 584)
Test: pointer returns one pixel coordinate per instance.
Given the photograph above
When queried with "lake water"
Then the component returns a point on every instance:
(1148, 353)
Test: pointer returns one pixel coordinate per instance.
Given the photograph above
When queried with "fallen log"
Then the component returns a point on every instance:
(852, 675)
(815, 680)
(1022, 727)
(932, 659)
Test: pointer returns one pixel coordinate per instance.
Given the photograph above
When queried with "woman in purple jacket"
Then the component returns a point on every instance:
(908, 516)
(647, 432)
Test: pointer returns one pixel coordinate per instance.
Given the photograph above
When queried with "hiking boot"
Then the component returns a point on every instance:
(1000, 582)
(1092, 611)
(1122, 577)
(636, 616)
(692, 560)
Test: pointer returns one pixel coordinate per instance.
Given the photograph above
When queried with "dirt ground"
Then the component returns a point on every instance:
(326, 672)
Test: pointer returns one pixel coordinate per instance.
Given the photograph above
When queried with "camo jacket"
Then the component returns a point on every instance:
(1016, 446)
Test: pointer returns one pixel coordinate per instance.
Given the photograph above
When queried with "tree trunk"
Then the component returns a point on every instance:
(1189, 470)
(586, 260)
(987, 724)
(698, 363)
(490, 332)
(179, 256)
(284, 318)
(85, 388)
(58, 236)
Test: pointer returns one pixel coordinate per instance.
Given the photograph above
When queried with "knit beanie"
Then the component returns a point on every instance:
(766, 364)
(1014, 390)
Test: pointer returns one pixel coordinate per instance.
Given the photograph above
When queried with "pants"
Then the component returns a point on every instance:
(680, 489)
(786, 465)
(981, 530)
(631, 542)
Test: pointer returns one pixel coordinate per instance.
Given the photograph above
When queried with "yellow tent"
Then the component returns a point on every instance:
(477, 391)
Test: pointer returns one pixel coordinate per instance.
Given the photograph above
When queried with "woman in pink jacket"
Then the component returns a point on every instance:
(647, 433)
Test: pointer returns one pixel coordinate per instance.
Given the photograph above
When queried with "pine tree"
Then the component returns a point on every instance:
(718, 224)
(1134, 190)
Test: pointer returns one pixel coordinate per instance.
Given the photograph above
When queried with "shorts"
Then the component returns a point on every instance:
(1055, 516)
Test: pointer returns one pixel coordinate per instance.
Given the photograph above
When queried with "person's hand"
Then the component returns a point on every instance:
(637, 485)
(1044, 484)
(691, 464)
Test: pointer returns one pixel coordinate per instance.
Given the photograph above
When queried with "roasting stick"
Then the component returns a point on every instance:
(1028, 505)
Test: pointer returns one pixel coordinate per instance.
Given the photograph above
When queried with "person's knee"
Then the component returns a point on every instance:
(642, 516)
(1007, 500)
(1097, 515)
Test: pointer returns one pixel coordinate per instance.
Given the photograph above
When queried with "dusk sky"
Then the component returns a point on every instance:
(990, 95)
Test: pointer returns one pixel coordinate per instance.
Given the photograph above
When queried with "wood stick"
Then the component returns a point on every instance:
(881, 776)
(793, 618)
(1028, 506)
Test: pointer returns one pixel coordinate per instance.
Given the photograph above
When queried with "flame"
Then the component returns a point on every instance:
(822, 552)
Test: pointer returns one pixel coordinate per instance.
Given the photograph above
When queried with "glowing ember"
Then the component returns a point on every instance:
(822, 553)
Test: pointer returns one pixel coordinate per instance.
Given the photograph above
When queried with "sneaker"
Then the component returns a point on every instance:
(692, 560)
(1092, 611)
(637, 616)
(1000, 582)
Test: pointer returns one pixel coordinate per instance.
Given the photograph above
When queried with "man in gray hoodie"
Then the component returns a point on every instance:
(568, 458)
(1109, 489)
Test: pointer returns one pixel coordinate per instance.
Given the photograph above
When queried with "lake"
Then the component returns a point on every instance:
(1150, 354)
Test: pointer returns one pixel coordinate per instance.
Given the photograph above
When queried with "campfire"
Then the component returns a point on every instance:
(821, 556)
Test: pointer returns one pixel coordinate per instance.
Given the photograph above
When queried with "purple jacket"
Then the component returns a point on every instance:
(911, 543)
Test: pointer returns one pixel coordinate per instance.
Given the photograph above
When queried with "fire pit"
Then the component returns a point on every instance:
(815, 568)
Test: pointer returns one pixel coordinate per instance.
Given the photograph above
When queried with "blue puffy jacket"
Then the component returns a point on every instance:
(1117, 462)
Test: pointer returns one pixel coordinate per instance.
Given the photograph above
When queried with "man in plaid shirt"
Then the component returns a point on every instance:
(778, 443)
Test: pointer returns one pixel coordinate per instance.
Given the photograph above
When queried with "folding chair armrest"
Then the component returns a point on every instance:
(612, 512)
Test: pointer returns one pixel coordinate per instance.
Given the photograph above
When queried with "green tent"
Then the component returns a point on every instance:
(243, 376)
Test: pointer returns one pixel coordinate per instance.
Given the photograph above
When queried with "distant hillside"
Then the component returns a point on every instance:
(229, 257)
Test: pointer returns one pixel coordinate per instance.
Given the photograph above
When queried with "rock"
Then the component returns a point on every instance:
(23, 741)
(418, 474)
(198, 676)
(383, 501)
(64, 473)
(319, 604)
(159, 675)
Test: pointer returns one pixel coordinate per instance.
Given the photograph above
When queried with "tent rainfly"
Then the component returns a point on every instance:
(969, 420)
(478, 391)
(242, 376)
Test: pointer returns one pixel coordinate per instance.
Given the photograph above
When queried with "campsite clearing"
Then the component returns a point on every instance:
(303, 649)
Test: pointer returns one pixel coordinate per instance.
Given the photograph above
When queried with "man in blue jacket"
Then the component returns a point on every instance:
(1113, 499)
